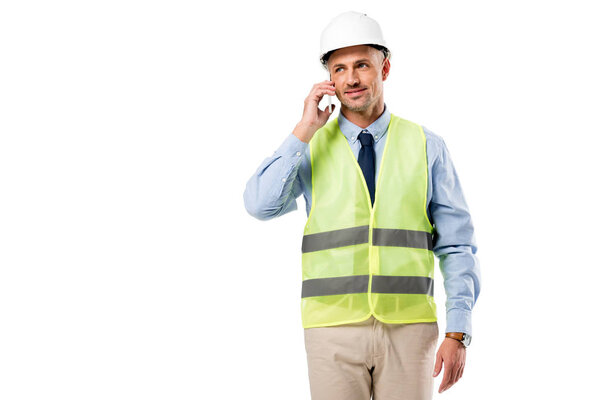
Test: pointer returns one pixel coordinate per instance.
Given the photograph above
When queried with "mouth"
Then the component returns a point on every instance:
(355, 92)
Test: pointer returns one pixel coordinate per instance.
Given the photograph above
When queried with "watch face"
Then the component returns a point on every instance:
(466, 339)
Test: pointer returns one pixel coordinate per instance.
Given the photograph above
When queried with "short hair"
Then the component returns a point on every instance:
(386, 53)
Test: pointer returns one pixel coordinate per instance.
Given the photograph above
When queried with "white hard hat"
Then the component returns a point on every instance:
(350, 29)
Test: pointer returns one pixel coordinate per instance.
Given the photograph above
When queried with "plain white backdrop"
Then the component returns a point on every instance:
(129, 267)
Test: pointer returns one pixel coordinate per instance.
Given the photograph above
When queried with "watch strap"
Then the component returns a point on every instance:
(456, 335)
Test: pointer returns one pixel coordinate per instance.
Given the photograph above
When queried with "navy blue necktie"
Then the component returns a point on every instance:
(366, 160)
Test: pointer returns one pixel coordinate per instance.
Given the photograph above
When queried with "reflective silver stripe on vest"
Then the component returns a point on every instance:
(360, 284)
(402, 238)
(360, 234)
(338, 285)
(402, 284)
(336, 238)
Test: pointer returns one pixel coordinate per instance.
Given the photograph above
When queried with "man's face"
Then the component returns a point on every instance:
(358, 73)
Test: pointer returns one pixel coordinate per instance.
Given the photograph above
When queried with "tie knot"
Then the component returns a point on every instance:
(366, 139)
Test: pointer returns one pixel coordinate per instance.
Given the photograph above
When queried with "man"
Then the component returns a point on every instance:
(382, 197)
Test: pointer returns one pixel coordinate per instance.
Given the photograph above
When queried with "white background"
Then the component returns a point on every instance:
(130, 268)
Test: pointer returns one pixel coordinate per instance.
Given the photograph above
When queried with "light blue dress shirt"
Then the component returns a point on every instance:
(283, 177)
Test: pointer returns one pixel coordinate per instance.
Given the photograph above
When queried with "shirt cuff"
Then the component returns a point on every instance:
(292, 147)
(458, 320)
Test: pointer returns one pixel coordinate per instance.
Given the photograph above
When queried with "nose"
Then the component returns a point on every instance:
(352, 79)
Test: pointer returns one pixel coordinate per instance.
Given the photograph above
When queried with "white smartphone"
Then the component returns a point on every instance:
(329, 97)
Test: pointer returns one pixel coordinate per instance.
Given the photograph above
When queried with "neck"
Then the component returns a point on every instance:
(366, 117)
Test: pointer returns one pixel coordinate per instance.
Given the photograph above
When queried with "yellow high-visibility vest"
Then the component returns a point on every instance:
(360, 260)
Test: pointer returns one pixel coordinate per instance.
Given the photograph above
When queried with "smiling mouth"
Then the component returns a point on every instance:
(355, 93)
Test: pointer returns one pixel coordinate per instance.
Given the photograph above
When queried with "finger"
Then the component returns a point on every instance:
(323, 84)
(454, 374)
(326, 88)
(325, 113)
(328, 85)
(447, 374)
(438, 365)
(318, 94)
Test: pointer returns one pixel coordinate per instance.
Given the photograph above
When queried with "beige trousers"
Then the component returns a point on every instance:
(355, 361)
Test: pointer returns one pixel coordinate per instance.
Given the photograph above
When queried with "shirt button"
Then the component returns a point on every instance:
(297, 153)
(376, 136)
(283, 180)
(352, 138)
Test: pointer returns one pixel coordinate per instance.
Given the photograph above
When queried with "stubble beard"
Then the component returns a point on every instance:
(359, 108)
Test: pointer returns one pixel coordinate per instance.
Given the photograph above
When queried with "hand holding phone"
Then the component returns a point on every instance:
(313, 118)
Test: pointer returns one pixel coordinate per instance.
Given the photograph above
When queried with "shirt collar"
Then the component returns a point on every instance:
(378, 128)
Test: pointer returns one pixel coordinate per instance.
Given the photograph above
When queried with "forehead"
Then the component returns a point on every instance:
(348, 55)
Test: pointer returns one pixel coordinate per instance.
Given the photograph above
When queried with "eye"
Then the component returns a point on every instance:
(337, 69)
(363, 64)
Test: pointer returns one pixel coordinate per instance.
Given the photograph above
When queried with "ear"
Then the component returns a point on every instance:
(386, 69)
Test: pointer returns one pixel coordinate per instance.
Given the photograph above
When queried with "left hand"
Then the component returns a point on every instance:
(452, 354)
